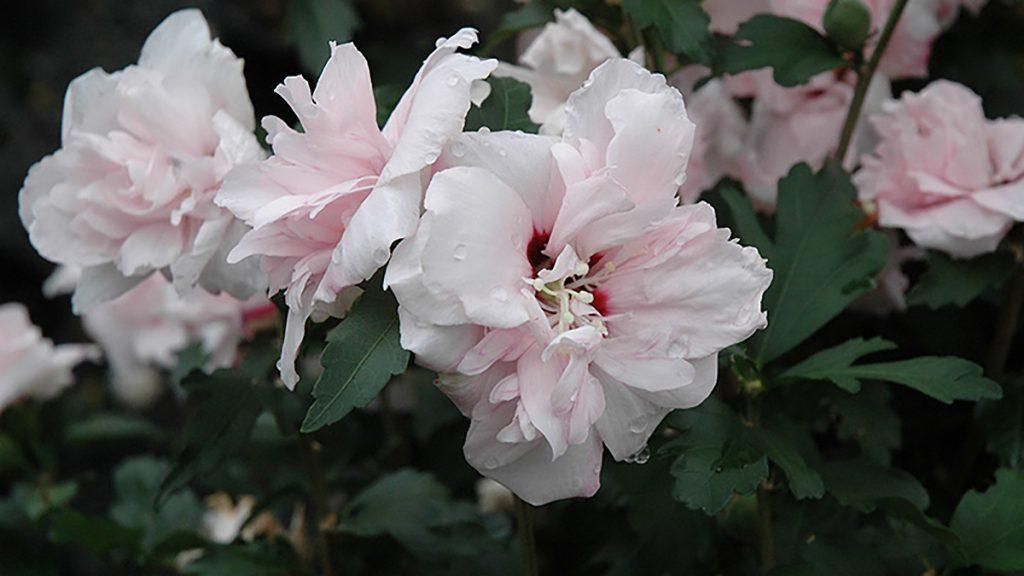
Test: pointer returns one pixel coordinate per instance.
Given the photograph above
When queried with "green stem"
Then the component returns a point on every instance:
(1006, 328)
(655, 49)
(527, 541)
(320, 503)
(864, 75)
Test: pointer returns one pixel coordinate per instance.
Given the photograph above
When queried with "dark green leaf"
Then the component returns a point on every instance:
(137, 482)
(862, 484)
(683, 24)
(93, 533)
(868, 419)
(704, 482)
(829, 364)
(11, 458)
(735, 210)
(803, 481)
(312, 24)
(36, 500)
(187, 361)
(821, 262)
(113, 427)
(909, 512)
(362, 354)
(256, 559)
(793, 49)
(958, 282)
(991, 523)
(1004, 422)
(505, 108)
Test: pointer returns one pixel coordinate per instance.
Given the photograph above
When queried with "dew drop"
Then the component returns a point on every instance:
(499, 294)
(460, 251)
(430, 158)
(490, 463)
(458, 149)
(641, 457)
(677, 348)
(381, 255)
(502, 152)
(454, 80)
(484, 130)
(638, 426)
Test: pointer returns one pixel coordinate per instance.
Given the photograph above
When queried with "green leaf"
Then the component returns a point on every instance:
(225, 408)
(93, 533)
(819, 556)
(830, 363)
(909, 512)
(137, 481)
(868, 419)
(803, 481)
(1003, 421)
(311, 24)
(862, 484)
(406, 505)
(12, 460)
(945, 378)
(505, 108)
(362, 354)
(991, 523)
(821, 262)
(37, 500)
(795, 51)
(188, 360)
(683, 24)
(735, 210)
(113, 427)
(255, 559)
(704, 482)
(958, 282)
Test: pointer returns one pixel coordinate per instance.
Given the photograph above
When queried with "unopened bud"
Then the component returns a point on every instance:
(848, 23)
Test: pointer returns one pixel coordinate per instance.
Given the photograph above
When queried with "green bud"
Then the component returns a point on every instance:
(848, 23)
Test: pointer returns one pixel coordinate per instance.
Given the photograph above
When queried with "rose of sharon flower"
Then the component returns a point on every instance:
(563, 295)
(721, 132)
(800, 124)
(142, 331)
(31, 365)
(143, 152)
(326, 207)
(950, 178)
(558, 60)
(910, 47)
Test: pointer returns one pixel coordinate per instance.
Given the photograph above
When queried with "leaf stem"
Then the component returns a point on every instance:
(527, 541)
(655, 49)
(319, 500)
(1007, 325)
(864, 75)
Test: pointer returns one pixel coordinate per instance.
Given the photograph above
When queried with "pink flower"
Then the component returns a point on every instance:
(142, 331)
(565, 297)
(721, 131)
(911, 45)
(31, 365)
(143, 152)
(951, 179)
(727, 15)
(326, 207)
(890, 294)
(800, 124)
(558, 60)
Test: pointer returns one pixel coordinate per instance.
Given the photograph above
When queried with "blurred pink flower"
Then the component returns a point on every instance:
(143, 152)
(565, 297)
(800, 124)
(890, 294)
(942, 172)
(326, 207)
(30, 365)
(557, 62)
(727, 15)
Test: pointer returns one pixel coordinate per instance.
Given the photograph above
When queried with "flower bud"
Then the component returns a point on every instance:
(848, 23)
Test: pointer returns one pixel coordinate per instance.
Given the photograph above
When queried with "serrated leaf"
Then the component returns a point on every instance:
(803, 481)
(911, 513)
(950, 282)
(862, 484)
(684, 25)
(991, 523)
(795, 51)
(311, 24)
(362, 354)
(868, 419)
(505, 108)
(829, 363)
(821, 262)
(703, 482)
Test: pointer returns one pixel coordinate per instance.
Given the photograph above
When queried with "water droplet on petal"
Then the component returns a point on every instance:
(490, 463)
(641, 457)
(430, 158)
(499, 294)
(460, 252)
(381, 255)
(458, 149)
(502, 152)
(485, 130)
(677, 349)
(638, 425)
(454, 80)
